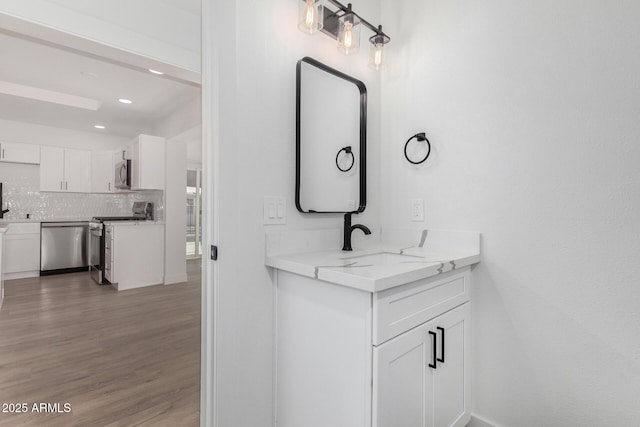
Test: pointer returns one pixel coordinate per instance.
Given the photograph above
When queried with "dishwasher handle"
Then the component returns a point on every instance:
(64, 224)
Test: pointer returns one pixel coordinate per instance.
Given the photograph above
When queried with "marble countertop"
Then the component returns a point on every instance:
(31, 220)
(377, 265)
(133, 223)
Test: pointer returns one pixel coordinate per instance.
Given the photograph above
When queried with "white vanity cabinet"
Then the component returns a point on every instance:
(395, 358)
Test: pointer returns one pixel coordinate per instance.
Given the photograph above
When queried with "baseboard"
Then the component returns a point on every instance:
(180, 278)
(478, 421)
(21, 275)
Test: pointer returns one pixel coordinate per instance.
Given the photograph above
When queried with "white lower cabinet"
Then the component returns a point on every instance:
(22, 250)
(397, 358)
(421, 378)
(134, 254)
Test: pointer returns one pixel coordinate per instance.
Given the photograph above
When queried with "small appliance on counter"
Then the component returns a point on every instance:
(142, 211)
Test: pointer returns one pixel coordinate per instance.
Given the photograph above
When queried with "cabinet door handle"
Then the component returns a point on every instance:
(441, 359)
(433, 346)
(66, 185)
(61, 185)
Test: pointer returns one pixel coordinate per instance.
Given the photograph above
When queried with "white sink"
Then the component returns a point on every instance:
(383, 258)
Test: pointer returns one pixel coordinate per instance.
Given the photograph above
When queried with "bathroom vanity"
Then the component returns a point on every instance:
(380, 336)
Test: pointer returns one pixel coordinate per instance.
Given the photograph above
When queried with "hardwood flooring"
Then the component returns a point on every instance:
(128, 358)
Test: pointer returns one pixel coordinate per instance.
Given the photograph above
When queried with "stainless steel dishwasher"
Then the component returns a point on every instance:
(64, 247)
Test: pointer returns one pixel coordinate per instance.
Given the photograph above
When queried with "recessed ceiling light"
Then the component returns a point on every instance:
(125, 101)
(98, 126)
(155, 71)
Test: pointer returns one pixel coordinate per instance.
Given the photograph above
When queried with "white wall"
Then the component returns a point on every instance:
(175, 213)
(30, 133)
(256, 47)
(180, 128)
(532, 109)
(156, 30)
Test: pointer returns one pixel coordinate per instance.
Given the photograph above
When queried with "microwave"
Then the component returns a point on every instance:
(122, 177)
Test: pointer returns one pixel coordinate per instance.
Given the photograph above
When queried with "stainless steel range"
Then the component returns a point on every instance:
(142, 211)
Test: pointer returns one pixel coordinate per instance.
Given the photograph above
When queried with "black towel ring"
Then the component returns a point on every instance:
(420, 137)
(347, 151)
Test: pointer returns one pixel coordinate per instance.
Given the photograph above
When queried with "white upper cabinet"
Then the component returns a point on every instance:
(67, 170)
(102, 172)
(52, 169)
(19, 153)
(147, 155)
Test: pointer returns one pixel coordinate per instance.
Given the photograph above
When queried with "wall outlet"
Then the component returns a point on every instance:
(417, 210)
(274, 210)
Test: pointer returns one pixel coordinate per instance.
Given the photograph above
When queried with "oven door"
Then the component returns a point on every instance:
(96, 252)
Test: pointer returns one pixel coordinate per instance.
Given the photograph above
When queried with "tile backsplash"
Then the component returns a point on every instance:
(21, 194)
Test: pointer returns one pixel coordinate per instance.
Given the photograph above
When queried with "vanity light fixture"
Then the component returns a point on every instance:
(376, 54)
(98, 127)
(310, 16)
(349, 32)
(343, 24)
(125, 101)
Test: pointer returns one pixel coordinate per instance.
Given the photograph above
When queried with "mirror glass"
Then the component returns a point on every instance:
(331, 109)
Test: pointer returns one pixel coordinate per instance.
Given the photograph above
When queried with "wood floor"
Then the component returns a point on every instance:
(128, 358)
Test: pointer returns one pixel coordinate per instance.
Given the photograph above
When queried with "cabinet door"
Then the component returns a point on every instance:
(452, 392)
(22, 253)
(52, 169)
(19, 153)
(102, 172)
(77, 174)
(403, 380)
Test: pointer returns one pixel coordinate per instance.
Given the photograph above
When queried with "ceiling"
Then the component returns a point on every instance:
(34, 65)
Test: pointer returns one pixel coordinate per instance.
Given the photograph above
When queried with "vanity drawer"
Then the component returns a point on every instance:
(399, 309)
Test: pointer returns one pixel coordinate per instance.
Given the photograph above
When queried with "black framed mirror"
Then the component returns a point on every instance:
(331, 140)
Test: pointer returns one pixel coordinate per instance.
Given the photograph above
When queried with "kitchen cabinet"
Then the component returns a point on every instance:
(65, 170)
(102, 171)
(134, 254)
(147, 154)
(398, 357)
(19, 153)
(22, 250)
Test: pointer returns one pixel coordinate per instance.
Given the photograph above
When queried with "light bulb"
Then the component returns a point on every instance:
(310, 17)
(377, 56)
(348, 35)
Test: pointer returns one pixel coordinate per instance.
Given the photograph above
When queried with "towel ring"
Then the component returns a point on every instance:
(420, 137)
(347, 151)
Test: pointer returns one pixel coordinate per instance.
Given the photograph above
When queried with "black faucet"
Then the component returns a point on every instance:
(348, 229)
(2, 211)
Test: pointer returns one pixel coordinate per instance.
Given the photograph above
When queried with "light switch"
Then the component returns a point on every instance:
(275, 209)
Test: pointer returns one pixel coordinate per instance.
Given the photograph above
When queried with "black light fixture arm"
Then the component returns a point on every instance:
(347, 9)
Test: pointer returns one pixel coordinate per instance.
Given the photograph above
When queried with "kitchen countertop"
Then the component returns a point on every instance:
(133, 223)
(10, 221)
(428, 253)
